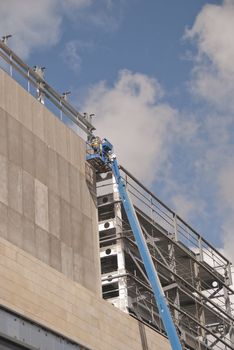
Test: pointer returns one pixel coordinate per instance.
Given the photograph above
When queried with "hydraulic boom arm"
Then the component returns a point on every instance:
(101, 159)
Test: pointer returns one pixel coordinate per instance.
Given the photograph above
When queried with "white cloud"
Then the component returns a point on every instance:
(73, 52)
(36, 24)
(226, 183)
(214, 168)
(71, 55)
(213, 30)
(131, 115)
(31, 26)
(226, 178)
(213, 75)
(213, 81)
(75, 4)
(186, 206)
(108, 15)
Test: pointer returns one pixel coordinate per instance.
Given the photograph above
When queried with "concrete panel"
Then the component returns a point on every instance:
(85, 197)
(63, 171)
(82, 155)
(87, 238)
(55, 253)
(54, 214)
(3, 180)
(15, 199)
(28, 196)
(11, 99)
(68, 145)
(76, 229)
(61, 140)
(65, 223)
(42, 245)
(41, 205)
(82, 275)
(25, 109)
(75, 190)
(74, 145)
(28, 151)
(53, 178)
(38, 119)
(50, 132)
(67, 260)
(14, 141)
(41, 161)
(2, 88)
(88, 280)
(3, 133)
(78, 262)
(29, 239)
(3, 220)
(15, 228)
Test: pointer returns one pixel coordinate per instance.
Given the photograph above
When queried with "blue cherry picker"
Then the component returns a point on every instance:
(100, 155)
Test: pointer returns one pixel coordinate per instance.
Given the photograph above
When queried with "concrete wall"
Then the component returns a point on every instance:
(45, 204)
(35, 290)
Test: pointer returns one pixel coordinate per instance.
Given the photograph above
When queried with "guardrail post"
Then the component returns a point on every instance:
(175, 227)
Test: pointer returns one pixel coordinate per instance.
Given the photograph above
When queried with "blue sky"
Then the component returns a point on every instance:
(159, 76)
(142, 36)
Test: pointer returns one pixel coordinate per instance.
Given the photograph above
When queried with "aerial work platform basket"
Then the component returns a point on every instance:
(98, 154)
(98, 163)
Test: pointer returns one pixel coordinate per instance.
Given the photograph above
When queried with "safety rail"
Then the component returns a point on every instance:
(174, 227)
(183, 233)
(39, 88)
(209, 258)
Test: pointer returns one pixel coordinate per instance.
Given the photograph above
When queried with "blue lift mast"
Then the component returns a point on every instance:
(102, 158)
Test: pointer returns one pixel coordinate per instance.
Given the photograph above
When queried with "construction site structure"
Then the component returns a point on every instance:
(50, 275)
(195, 276)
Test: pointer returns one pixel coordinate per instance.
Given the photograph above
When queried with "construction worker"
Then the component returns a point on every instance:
(96, 144)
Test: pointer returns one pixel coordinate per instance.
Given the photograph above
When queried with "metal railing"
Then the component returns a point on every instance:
(175, 226)
(36, 85)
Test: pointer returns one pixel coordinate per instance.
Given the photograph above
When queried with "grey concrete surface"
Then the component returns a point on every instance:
(46, 206)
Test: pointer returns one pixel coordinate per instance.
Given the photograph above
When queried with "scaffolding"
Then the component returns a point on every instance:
(195, 276)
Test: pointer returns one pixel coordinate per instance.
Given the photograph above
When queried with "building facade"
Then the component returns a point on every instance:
(50, 294)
